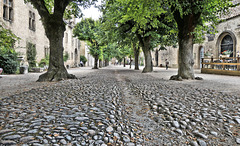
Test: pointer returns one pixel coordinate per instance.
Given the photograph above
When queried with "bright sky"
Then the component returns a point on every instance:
(92, 12)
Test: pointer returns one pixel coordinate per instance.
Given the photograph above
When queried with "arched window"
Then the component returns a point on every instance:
(227, 44)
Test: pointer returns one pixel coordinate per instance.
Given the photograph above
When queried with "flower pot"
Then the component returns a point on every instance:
(226, 55)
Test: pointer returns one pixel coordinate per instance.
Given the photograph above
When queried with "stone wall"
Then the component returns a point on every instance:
(230, 26)
(20, 27)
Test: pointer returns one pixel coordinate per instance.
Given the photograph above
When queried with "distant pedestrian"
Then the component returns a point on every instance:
(81, 63)
(167, 63)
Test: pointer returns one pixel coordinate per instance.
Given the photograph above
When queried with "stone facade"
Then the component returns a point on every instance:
(24, 21)
(71, 45)
(90, 59)
(227, 31)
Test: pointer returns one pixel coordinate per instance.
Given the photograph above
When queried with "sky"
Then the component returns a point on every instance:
(92, 12)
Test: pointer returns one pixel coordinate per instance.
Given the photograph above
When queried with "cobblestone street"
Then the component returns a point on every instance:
(116, 106)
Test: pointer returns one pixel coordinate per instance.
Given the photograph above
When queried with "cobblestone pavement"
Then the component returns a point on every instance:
(113, 106)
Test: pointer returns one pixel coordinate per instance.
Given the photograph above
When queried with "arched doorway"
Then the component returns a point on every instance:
(227, 44)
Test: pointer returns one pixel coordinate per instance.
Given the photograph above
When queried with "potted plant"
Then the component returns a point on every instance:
(207, 54)
(226, 53)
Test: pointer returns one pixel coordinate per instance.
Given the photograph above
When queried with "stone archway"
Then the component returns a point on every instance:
(227, 41)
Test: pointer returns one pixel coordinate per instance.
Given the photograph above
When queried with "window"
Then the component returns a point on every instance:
(8, 10)
(46, 52)
(66, 38)
(32, 21)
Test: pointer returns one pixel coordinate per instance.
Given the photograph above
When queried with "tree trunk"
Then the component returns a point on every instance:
(100, 63)
(106, 63)
(56, 70)
(95, 62)
(145, 43)
(124, 62)
(130, 61)
(186, 25)
(136, 56)
(185, 58)
(148, 60)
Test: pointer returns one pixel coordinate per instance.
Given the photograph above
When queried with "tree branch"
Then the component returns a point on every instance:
(41, 7)
(60, 5)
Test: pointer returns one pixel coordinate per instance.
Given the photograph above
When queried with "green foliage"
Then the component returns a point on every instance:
(8, 56)
(83, 59)
(8, 60)
(7, 38)
(44, 61)
(65, 56)
(88, 30)
(31, 55)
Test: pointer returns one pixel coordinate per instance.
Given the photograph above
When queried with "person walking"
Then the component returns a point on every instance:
(167, 63)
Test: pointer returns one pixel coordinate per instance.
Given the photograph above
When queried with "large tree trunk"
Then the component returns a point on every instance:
(148, 60)
(100, 64)
(186, 25)
(95, 62)
(56, 71)
(145, 43)
(54, 29)
(106, 63)
(185, 58)
(136, 56)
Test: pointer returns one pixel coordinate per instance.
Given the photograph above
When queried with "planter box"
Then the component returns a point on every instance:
(37, 69)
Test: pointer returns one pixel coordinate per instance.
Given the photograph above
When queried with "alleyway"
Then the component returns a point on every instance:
(116, 106)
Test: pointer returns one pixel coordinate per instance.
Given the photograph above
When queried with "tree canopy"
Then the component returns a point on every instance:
(89, 30)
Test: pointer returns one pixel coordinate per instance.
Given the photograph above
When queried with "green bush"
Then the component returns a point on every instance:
(83, 59)
(31, 55)
(65, 56)
(44, 61)
(8, 60)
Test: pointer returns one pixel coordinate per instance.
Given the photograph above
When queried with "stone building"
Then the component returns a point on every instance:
(226, 38)
(24, 21)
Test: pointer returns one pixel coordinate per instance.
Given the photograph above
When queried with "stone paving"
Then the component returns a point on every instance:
(116, 106)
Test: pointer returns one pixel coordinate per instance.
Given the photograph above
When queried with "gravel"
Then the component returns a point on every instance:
(120, 107)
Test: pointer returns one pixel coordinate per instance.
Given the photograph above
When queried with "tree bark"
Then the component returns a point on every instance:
(124, 62)
(100, 64)
(136, 56)
(54, 29)
(95, 62)
(186, 26)
(106, 63)
(145, 43)
(130, 62)
(185, 58)
(148, 60)
(56, 71)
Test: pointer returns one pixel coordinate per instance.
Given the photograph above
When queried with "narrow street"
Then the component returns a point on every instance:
(117, 106)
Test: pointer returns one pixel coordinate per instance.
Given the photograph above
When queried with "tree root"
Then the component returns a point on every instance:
(53, 77)
(179, 78)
